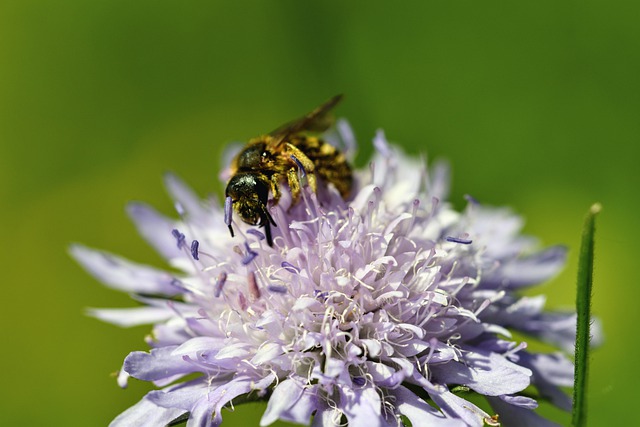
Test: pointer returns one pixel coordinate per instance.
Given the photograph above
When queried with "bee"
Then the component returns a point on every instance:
(286, 155)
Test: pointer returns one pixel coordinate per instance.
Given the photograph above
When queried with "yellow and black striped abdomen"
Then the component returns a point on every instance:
(331, 164)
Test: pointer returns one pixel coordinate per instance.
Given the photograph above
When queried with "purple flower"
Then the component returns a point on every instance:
(387, 307)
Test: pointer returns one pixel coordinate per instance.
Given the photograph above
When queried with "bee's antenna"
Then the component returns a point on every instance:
(228, 212)
(269, 217)
(267, 230)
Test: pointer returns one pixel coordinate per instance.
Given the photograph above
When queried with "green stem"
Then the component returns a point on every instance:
(583, 309)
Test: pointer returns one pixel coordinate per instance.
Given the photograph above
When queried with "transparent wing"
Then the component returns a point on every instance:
(317, 120)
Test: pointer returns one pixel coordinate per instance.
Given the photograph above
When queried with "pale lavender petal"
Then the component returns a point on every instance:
(348, 138)
(224, 394)
(155, 228)
(420, 412)
(184, 396)
(532, 269)
(326, 417)
(284, 396)
(458, 408)
(361, 406)
(201, 413)
(188, 200)
(124, 275)
(170, 333)
(556, 328)
(487, 373)
(381, 144)
(204, 399)
(550, 372)
(301, 411)
(159, 364)
(146, 413)
(521, 401)
(179, 308)
(438, 185)
(200, 347)
(553, 368)
(123, 378)
(128, 317)
(510, 415)
(526, 315)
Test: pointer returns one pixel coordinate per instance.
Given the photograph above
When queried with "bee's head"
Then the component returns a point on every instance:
(249, 193)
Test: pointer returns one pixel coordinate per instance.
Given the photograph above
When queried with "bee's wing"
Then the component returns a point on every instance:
(316, 121)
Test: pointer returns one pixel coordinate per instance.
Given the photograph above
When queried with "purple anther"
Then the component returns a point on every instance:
(320, 294)
(278, 289)
(228, 206)
(256, 233)
(250, 257)
(180, 239)
(228, 211)
(300, 167)
(469, 198)
(459, 240)
(254, 291)
(290, 267)
(194, 249)
(359, 381)
(217, 288)
(177, 283)
(251, 254)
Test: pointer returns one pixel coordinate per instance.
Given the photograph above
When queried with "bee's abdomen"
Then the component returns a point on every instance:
(331, 164)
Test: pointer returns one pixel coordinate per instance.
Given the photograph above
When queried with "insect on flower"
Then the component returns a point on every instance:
(385, 309)
(288, 155)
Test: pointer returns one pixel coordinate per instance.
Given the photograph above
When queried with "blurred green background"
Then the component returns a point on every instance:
(535, 104)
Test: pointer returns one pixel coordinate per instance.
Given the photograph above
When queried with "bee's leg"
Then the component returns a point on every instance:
(294, 186)
(275, 188)
(308, 168)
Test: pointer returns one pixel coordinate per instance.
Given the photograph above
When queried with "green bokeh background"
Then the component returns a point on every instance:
(536, 105)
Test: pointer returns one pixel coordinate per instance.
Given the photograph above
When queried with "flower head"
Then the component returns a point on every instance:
(370, 311)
